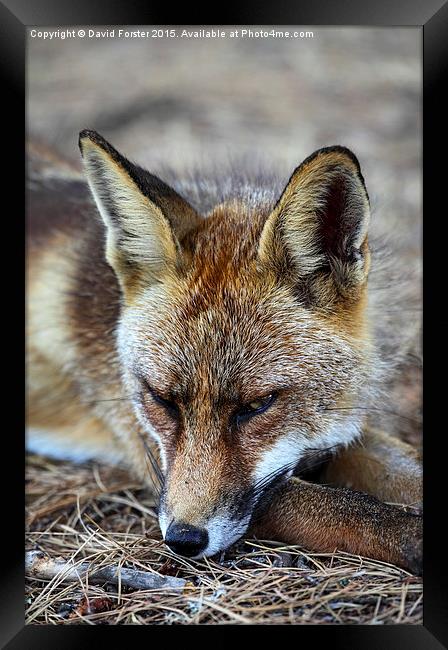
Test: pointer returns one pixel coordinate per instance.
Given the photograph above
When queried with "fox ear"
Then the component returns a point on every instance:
(145, 219)
(317, 232)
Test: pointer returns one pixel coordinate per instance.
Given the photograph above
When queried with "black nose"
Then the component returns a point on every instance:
(186, 540)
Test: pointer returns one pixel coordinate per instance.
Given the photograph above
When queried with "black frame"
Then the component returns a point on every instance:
(432, 16)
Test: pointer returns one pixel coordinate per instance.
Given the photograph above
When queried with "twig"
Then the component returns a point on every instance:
(37, 565)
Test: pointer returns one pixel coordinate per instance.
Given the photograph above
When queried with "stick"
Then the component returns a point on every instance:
(45, 568)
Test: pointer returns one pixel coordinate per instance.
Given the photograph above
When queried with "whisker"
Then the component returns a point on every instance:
(154, 465)
(257, 489)
(156, 488)
(375, 409)
(317, 458)
(112, 399)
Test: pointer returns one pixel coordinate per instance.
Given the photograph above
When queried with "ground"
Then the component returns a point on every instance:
(179, 102)
(100, 514)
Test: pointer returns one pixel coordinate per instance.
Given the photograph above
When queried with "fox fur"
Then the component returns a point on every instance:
(230, 326)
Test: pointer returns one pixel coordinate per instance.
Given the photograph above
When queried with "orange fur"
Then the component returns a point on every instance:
(152, 325)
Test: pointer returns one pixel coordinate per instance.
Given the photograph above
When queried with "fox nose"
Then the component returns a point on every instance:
(186, 540)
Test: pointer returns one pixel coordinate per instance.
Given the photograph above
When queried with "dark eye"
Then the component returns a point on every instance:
(170, 406)
(255, 407)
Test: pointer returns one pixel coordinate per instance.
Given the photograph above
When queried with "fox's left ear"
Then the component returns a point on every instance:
(317, 232)
(145, 219)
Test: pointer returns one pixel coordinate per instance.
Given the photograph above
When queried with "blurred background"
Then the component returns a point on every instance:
(184, 101)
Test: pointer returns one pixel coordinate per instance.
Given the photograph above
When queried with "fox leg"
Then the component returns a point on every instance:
(325, 518)
(380, 465)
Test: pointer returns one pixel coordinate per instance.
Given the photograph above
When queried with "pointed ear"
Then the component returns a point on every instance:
(145, 219)
(317, 232)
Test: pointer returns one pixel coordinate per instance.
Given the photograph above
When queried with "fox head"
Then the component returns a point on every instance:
(242, 333)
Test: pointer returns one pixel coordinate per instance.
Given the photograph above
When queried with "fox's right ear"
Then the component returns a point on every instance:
(145, 218)
(316, 234)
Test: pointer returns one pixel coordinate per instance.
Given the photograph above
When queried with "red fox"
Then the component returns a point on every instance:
(225, 329)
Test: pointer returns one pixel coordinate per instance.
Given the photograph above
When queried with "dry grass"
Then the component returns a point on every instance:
(99, 514)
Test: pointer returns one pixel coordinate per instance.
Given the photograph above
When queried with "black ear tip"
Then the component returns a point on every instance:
(337, 148)
(83, 135)
(334, 149)
(96, 138)
(90, 134)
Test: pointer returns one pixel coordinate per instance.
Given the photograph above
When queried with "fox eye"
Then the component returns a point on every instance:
(169, 405)
(255, 407)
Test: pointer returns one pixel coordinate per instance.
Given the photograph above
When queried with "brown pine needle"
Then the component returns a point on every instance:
(93, 517)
